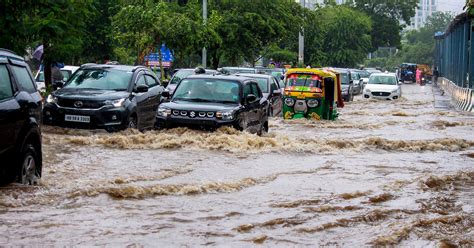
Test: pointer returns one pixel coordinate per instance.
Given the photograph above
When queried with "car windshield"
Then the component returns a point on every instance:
(388, 80)
(303, 80)
(180, 75)
(100, 79)
(207, 90)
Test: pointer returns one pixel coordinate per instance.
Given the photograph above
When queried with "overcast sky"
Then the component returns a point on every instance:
(451, 5)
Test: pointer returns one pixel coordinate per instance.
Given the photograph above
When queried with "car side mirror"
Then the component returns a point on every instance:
(400, 82)
(141, 88)
(58, 84)
(277, 92)
(165, 82)
(165, 93)
(251, 98)
(282, 77)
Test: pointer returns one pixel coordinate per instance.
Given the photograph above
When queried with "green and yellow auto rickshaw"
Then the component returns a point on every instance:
(312, 94)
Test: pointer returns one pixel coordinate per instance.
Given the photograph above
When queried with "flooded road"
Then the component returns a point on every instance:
(386, 173)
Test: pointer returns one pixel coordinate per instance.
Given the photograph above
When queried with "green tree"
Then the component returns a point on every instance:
(15, 34)
(60, 27)
(98, 44)
(147, 24)
(346, 37)
(385, 15)
(251, 28)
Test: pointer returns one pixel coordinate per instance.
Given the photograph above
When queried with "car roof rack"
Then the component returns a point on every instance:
(138, 67)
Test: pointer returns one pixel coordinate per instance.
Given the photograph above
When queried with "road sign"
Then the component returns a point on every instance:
(153, 59)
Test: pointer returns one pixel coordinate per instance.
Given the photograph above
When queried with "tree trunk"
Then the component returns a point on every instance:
(47, 66)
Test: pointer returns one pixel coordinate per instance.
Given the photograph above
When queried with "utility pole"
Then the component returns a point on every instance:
(301, 39)
(204, 17)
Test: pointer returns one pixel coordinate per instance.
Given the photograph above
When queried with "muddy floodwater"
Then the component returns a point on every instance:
(386, 173)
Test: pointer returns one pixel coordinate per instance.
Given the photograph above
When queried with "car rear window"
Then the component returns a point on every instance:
(180, 75)
(263, 84)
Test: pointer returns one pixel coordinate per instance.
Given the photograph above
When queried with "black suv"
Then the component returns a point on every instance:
(214, 101)
(20, 113)
(113, 97)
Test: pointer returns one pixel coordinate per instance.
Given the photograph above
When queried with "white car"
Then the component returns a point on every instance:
(383, 86)
(67, 71)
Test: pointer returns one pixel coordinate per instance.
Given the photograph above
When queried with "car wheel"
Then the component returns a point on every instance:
(30, 166)
(132, 122)
(263, 129)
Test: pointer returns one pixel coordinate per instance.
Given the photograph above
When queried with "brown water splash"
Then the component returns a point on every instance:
(429, 229)
(329, 208)
(376, 215)
(442, 124)
(447, 181)
(381, 198)
(231, 140)
(120, 191)
(357, 194)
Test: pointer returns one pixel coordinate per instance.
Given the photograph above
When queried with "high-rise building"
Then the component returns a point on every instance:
(425, 9)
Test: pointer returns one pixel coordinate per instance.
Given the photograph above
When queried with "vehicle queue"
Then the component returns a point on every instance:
(116, 97)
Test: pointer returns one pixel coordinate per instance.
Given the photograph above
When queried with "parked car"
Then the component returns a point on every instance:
(20, 118)
(113, 97)
(67, 71)
(278, 73)
(271, 91)
(181, 74)
(364, 75)
(206, 101)
(383, 86)
(347, 86)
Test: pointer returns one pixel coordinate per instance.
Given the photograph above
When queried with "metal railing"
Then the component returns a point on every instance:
(454, 52)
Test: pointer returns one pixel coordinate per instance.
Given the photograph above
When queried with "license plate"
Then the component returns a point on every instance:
(77, 118)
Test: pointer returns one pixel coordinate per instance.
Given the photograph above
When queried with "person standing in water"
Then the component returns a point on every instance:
(418, 76)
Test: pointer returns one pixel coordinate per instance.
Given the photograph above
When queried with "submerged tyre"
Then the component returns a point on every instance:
(30, 170)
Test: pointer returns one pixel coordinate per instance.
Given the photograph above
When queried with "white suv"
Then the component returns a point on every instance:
(383, 86)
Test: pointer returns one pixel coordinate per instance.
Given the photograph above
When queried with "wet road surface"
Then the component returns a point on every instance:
(386, 173)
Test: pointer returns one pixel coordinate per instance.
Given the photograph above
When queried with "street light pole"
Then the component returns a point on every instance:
(301, 40)
(204, 17)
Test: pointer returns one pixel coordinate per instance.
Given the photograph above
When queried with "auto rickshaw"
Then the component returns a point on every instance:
(407, 72)
(312, 94)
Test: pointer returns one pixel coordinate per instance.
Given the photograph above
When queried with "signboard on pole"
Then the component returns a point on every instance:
(153, 59)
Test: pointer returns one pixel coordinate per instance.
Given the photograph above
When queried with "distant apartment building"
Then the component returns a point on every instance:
(425, 9)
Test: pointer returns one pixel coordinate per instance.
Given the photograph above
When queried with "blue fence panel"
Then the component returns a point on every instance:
(454, 55)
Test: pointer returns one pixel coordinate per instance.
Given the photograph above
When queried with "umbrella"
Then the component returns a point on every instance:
(38, 53)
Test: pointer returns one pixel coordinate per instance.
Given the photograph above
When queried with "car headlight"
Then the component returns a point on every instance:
(290, 102)
(394, 91)
(367, 91)
(116, 103)
(165, 112)
(51, 99)
(225, 115)
(313, 103)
